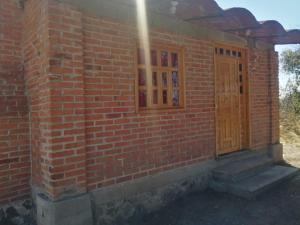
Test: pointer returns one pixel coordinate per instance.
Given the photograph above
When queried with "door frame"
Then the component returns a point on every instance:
(245, 123)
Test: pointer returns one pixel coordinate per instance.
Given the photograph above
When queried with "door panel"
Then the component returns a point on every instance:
(227, 105)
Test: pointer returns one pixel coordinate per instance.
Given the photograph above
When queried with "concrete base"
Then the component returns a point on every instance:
(253, 173)
(128, 202)
(276, 152)
(74, 211)
(252, 186)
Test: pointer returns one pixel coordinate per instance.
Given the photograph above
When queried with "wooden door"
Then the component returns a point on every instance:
(228, 130)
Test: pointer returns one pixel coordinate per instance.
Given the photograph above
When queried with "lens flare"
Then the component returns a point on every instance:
(144, 41)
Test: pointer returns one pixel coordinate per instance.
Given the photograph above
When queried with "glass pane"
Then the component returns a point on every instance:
(142, 77)
(175, 79)
(241, 67)
(141, 56)
(165, 79)
(154, 79)
(175, 98)
(165, 97)
(228, 52)
(174, 60)
(164, 58)
(142, 98)
(234, 53)
(155, 97)
(221, 51)
(239, 54)
(153, 58)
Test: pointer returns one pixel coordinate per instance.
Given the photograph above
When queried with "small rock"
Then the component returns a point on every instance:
(27, 204)
(17, 220)
(11, 212)
(216, 206)
(28, 220)
(2, 215)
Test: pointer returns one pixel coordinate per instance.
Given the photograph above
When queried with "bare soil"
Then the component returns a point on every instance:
(290, 137)
(278, 206)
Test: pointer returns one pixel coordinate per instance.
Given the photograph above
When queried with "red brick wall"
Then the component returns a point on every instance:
(274, 92)
(54, 77)
(96, 137)
(36, 63)
(67, 112)
(123, 144)
(264, 88)
(14, 132)
(85, 131)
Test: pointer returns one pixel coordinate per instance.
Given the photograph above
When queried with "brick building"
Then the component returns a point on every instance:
(93, 114)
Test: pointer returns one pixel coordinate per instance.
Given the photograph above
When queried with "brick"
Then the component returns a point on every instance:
(79, 75)
(14, 128)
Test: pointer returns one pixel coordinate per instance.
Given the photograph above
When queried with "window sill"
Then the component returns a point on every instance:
(159, 111)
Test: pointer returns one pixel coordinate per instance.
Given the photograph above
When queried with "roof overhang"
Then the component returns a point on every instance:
(242, 22)
(207, 13)
(238, 21)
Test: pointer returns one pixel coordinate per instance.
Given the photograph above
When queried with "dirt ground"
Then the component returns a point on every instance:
(292, 154)
(278, 206)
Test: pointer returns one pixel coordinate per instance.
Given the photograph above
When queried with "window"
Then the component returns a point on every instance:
(162, 85)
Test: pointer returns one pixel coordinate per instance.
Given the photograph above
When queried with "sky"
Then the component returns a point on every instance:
(286, 12)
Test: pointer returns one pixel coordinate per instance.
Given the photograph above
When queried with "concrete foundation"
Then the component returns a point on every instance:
(276, 152)
(129, 201)
(124, 202)
(74, 211)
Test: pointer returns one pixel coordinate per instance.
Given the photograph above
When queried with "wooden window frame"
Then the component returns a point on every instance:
(159, 69)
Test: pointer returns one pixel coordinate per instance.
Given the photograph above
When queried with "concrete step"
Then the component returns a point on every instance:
(252, 186)
(240, 155)
(238, 170)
